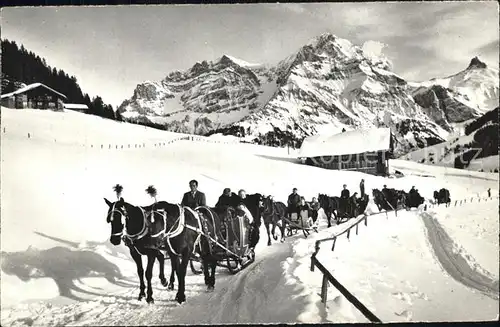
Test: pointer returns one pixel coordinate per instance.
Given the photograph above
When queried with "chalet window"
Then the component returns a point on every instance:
(49, 97)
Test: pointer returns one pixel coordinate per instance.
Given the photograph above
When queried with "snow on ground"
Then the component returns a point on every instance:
(488, 164)
(53, 184)
(392, 269)
(474, 225)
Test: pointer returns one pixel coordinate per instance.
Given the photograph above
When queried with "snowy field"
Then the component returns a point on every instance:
(58, 266)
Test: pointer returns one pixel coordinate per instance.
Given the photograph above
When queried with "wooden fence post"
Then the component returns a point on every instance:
(357, 229)
(333, 245)
(348, 233)
(366, 220)
(324, 289)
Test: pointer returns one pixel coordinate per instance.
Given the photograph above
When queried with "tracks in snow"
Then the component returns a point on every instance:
(454, 263)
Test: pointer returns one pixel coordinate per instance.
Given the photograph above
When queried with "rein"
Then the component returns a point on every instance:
(141, 233)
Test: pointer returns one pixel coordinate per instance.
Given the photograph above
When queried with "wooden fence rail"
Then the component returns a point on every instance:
(328, 277)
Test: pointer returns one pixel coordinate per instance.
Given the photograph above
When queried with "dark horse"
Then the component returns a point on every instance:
(413, 200)
(330, 205)
(131, 223)
(272, 212)
(356, 206)
(388, 199)
(443, 196)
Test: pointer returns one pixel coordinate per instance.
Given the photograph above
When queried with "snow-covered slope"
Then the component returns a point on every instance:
(327, 85)
(58, 267)
(479, 134)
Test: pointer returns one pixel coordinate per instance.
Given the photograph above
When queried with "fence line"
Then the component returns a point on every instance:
(157, 144)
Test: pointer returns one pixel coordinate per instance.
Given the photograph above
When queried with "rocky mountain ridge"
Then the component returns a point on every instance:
(327, 85)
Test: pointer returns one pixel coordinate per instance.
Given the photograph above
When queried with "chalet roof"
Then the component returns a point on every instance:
(31, 87)
(351, 142)
(75, 106)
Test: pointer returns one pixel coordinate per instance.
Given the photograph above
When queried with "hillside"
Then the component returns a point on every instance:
(21, 67)
(66, 272)
(327, 85)
(478, 145)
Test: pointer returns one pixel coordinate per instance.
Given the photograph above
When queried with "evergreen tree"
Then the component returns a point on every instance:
(21, 65)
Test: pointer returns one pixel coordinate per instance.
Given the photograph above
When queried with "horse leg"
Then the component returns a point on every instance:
(161, 261)
(174, 263)
(334, 212)
(140, 271)
(266, 223)
(273, 231)
(283, 229)
(149, 276)
(181, 275)
(206, 272)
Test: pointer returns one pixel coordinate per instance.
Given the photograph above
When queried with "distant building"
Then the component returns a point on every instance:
(35, 96)
(365, 150)
(76, 107)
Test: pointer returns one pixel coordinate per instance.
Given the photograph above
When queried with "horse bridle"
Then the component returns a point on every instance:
(124, 232)
(270, 210)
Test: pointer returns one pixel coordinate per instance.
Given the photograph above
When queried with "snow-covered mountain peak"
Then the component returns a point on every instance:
(239, 62)
(327, 84)
(476, 63)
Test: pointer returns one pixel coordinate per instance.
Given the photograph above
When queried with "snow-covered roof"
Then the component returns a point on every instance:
(77, 106)
(30, 87)
(349, 142)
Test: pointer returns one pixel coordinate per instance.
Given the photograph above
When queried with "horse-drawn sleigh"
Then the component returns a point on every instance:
(300, 222)
(342, 209)
(206, 235)
(231, 248)
(275, 213)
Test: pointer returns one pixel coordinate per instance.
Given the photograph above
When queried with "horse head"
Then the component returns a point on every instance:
(117, 215)
(267, 206)
(323, 200)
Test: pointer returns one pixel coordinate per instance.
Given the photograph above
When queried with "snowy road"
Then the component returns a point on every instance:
(454, 263)
(257, 294)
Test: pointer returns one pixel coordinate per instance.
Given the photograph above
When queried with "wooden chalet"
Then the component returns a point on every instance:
(34, 96)
(365, 150)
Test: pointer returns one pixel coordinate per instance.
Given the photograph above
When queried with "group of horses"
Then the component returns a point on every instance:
(182, 232)
(342, 208)
(388, 199)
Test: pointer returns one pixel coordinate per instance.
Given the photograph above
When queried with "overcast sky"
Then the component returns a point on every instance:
(112, 49)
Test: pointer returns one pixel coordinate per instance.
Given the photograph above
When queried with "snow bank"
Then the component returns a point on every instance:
(475, 226)
(370, 266)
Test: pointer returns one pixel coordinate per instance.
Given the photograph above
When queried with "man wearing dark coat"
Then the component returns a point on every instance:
(225, 200)
(344, 198)
(193, 198)
(362, 188)
(293, 202)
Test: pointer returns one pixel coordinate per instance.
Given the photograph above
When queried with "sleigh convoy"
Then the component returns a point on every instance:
(225, 236)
